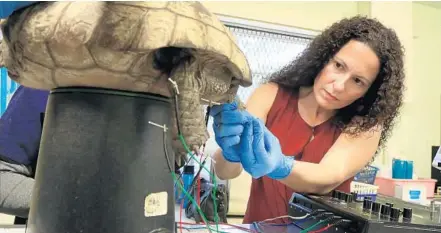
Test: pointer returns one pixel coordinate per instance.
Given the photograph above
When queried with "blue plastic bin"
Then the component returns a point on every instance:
(367, 176)
(7, 88)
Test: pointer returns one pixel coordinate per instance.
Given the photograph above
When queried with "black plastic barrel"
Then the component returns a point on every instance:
(102, 166)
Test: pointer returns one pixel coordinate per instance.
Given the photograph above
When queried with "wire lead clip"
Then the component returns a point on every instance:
(175, 85)
(160, 126)
(210, 102)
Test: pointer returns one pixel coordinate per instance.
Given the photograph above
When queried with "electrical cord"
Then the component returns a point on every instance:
(320, 222)
(285, 216)
(336, 223)
(178, 124)
(182, 188)
(322, 229)
(258, 225)
(213, 193)
(207, 117)
(164, 138)
(195, 226)
(300, 219)
(264, 222)
(181, 205)
(181, 138)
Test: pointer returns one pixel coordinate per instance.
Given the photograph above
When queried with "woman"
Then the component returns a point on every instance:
(20, 133)
(8, 7)
(318, 121)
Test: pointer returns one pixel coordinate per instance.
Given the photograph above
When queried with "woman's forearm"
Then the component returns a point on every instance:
(15, 194)
(225, 170)
(312, 178)
(16, 189)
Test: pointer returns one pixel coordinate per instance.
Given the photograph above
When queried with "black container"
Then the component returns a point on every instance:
(99, 160)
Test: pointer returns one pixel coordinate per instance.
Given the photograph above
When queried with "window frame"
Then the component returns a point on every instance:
(250, 24)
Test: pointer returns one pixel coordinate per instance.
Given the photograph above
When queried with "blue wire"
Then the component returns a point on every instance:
(258, 229)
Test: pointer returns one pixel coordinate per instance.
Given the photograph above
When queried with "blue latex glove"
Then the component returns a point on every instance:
(8, 7)
(227, 135)
(244, 138)
(263, 155)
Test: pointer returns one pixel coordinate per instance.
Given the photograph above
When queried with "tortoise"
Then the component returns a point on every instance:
(134, 46)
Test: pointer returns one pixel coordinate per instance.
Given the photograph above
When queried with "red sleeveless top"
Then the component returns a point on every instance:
(269, 198)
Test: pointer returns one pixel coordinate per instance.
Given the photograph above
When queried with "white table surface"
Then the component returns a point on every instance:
(228, 229)
(196, 228)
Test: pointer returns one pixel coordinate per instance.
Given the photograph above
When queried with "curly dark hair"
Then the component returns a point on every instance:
(382, 101)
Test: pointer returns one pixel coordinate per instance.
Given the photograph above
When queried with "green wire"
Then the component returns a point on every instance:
(194, 203)
(315, 225)
(213, 193)
(312, 227)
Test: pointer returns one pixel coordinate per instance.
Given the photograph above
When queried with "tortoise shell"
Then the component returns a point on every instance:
(131, 46)
(112, 44)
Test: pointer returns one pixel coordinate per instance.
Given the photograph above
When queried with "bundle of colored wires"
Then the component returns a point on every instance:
(195, 226)
(202, 166)
(286, 216)
(322, 229)
(262, 223)
(187, 194)
(320, 222)
(198, 206)
(336, 223)
(297, 219)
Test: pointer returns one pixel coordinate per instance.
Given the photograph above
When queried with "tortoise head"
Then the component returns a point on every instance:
(201, 78)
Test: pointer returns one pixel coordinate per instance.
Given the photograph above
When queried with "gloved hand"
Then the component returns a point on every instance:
(245, 138)
(228, 124)
(263, 154)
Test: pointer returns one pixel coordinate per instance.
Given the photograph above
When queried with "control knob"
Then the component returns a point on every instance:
(335, 194)
(354, 196)
(385, 210)
(367, 204)
(348, 198)
(343, 196)
(394, 213)
(376, 207)
(407, 213)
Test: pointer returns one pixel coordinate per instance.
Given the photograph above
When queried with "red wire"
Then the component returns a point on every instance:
(322, 229)
(198, 194)
(199, 186)
(180, 214)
